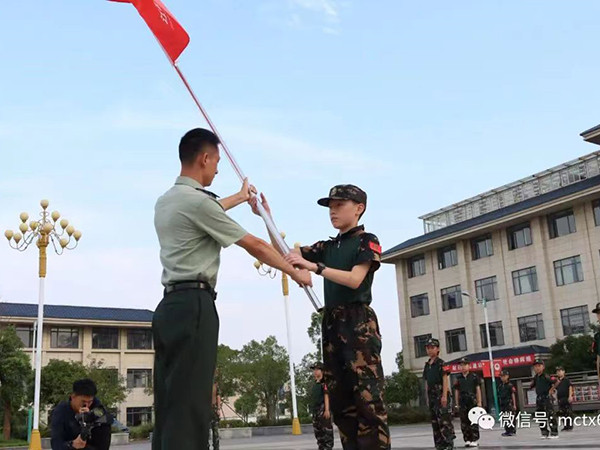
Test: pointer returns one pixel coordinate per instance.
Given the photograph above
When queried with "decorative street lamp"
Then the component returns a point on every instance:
(483, 302)
(265, 270)
(63, 236)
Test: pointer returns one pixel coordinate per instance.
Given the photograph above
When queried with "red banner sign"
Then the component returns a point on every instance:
(499, 364)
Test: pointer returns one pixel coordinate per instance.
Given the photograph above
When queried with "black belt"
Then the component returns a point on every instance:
(186, 285)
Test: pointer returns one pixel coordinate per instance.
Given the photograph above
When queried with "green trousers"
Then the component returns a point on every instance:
(186, 328)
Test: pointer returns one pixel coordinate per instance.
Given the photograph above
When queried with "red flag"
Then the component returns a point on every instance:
(170, 34)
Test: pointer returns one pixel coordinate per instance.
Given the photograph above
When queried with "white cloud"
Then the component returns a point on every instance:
(305, 14)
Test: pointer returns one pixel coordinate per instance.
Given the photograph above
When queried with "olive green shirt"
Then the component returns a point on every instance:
(192, 227)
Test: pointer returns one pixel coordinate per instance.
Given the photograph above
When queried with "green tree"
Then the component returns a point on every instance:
(403, 386)
(228, 367)
(304, 383)
(263, 370)
(573, 353)
(58, 377)
(246, 404)
(15, 370)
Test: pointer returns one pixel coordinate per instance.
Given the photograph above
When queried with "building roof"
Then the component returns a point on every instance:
(592, 135)
(494, 215)
(76, 312)
(505, 353)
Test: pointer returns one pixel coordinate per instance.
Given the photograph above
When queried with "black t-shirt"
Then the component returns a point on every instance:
(596, 345)
(467, 385)
(542, 383)
(65, 428)
(562, 389)
(434, 372)
(505, 392)
(318, 391)
(343, 253)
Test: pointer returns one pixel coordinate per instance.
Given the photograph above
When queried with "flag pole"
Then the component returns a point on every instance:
(238, 170)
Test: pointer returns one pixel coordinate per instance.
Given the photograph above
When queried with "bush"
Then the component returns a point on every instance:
(406, 415)
(236, 423)
(141, 432)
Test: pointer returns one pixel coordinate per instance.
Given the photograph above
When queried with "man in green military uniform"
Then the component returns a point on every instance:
(564, 396)
(192, 228)
(507, 397)
(467, 390)
(437, 386)
(351, 336)
(596, 345)
(321, 413)
(544, 388)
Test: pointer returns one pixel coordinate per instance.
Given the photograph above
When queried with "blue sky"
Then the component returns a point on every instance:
(420, 103)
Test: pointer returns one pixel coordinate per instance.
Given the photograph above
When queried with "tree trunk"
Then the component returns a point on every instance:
(7, 419)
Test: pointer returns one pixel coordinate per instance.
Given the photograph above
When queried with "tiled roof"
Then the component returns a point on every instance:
(76, 312)
(498, 214)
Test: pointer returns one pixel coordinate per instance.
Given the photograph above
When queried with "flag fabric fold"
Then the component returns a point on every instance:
(170, 34)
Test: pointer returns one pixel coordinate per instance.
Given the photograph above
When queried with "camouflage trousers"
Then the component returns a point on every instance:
(214, 430)
(323, 429)
(544, 404)
(508, 410)
(354, 376)
(565, 412)
(441, 420)
(470, 431)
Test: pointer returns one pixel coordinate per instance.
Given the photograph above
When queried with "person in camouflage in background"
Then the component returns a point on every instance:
(544, 386)
(351, 335)
(507, 397)
(216, 405)
(468, 395)
(321, 413)
(596, 345)
(437, 385)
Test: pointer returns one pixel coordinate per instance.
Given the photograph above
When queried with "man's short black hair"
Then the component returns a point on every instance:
(85, 387)
(193, 142)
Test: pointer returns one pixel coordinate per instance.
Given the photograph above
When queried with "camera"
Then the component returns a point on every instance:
(90, 420)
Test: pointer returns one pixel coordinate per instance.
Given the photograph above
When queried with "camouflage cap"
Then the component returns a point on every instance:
(596, 310)
(345, 192)
(539, 361)
(432, 342)
(316, 366)
(464, 361)
(504, 372)
(559, 368)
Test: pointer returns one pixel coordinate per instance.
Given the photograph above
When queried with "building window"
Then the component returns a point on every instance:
(139, 378)
(482, 246)
(531, 328)
(139, 339)
(568, 270)
(456, 340)
(575, 320)
(519, 236)
(139, 416)
(451, 298)
(420, 342)
(25, 333)
(64, 338)
(596, 207)
(447, 257)
(105, 338)
(561, 223)
(487, 288)
(525, 281)
(419, 305)
(416, 266)
(496, 334)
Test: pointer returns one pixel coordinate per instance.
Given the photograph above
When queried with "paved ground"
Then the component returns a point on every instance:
(419, 437)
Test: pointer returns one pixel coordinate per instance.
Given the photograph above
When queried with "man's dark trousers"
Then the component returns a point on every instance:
(186, 329)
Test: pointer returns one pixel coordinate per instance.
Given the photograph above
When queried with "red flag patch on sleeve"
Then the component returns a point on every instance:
(375, 247)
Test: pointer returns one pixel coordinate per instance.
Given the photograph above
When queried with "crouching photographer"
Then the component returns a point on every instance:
(81, 421)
